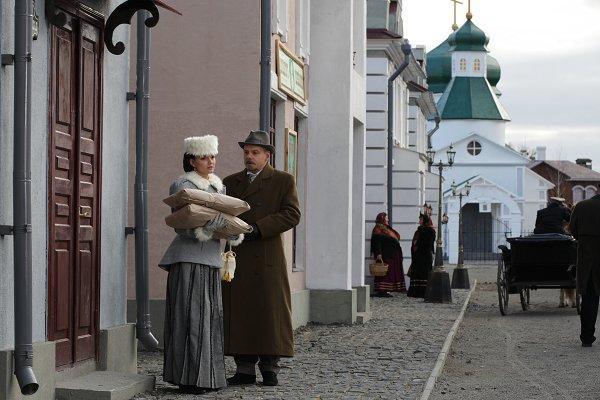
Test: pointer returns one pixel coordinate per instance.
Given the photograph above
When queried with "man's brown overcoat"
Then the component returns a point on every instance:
(585, 227)
(257, 303)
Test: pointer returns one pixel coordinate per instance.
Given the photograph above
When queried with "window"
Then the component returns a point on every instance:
(474, 148)
(303, 29)
(578, 194)
(477, 65)
(590, 192)
(462, 64)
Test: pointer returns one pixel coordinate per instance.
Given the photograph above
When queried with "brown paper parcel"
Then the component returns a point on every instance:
(221, 202)
(192, 216)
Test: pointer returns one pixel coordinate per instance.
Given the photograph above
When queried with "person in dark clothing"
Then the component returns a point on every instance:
(385, 246)
(553, 218)
(422, 257)
(585, 227)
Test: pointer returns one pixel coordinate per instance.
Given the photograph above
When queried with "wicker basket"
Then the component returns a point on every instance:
(378, 268)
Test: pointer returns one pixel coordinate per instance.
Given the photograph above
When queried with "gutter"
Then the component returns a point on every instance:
(265, 65)
(23, 354)
(407, 51)
(142, 99)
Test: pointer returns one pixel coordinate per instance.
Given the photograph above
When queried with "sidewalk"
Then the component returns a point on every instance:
(390, 357)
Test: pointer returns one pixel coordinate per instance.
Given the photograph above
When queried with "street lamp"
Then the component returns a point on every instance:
(460, 276)
(438, 286)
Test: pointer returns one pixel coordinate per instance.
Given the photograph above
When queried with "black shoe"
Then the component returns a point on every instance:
(191, 389)
(269, 378)
(586, 344)
(241, 379)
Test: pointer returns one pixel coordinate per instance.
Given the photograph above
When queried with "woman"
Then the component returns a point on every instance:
(385, 246)
(194, 358)
(422, 257)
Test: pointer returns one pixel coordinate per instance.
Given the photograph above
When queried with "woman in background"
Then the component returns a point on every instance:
(422, 257)
(385, 246)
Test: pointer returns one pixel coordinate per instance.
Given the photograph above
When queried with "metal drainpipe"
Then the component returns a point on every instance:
(430, 134)
(23, 354)
(406, 50)
(265, 65)
(143, 323)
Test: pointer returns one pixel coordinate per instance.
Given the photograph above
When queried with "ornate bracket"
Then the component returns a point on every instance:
(122, 15)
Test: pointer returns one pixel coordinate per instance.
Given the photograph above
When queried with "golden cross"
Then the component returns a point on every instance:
(454, 25)
(469, 14)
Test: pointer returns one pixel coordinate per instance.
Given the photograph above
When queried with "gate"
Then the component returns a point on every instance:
(482, 234)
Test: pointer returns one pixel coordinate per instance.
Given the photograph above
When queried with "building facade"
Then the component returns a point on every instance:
(216, 90)
(79, 148)
(505, 196)
(414, 105)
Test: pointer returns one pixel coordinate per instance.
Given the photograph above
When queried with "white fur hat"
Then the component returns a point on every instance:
(200, 146)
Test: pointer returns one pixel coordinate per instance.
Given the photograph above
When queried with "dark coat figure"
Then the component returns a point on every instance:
(257, 303)
(422, 258)
(552, 219)
(585, 227)
(385, 242)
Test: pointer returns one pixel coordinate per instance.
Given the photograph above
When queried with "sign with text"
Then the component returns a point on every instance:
(291, 73)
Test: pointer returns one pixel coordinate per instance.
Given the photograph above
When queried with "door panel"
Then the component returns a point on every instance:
(74, 190)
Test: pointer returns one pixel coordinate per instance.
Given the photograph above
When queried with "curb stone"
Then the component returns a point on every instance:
(441, 360)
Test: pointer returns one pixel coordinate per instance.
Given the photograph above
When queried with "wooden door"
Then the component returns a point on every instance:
(74, 187)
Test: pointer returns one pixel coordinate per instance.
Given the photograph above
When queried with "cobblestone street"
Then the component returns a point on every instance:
(526, 355)
(390, 357)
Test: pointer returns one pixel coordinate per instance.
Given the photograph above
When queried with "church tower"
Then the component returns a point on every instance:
(464, 77)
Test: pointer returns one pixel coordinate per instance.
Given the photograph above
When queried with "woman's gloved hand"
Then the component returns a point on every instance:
(216, 223)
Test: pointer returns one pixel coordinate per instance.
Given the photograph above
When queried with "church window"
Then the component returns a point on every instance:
(477, 65)
(474, 148)
(578, 194)
(462, 64)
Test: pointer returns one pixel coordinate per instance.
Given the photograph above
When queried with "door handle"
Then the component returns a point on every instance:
(84, 212)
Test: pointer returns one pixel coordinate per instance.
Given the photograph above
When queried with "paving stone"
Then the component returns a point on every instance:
(388, 357)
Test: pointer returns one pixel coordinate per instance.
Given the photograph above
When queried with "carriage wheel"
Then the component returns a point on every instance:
(525, 296)
(578, 302)
(502, 288)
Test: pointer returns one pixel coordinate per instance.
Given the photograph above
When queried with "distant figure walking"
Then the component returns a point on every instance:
(553, 218)
(585, 227)
(385, 246)
(422, 257)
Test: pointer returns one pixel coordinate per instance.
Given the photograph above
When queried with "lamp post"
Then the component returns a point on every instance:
(460, 276)
(438, 286)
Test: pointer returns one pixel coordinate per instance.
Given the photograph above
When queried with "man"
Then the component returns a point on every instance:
(257, 303)
(553, 218)
(585, 227)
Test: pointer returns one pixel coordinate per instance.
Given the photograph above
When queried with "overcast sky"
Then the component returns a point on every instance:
(549, 52)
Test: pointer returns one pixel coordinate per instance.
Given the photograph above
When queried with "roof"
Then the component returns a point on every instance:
(574, 171)
(471, 98)
(468, 38)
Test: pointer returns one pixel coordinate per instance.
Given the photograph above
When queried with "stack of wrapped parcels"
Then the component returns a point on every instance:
(194, 208)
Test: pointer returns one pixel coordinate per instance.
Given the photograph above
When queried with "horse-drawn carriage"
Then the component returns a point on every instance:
(536, 262)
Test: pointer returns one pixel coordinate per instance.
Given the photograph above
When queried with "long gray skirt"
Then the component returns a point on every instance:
(194, 327)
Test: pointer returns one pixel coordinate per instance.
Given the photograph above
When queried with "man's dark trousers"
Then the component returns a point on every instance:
(589, 313)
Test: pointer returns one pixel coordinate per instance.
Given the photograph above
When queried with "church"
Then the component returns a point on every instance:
(505, 195)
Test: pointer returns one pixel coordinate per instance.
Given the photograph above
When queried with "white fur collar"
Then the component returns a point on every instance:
(203, 183)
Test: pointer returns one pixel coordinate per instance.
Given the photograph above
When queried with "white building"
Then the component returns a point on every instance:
(413, 106)
(505, 194)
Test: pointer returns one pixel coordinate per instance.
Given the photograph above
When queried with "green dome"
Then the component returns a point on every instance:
(468, 38)
(439, 67)
(439, 60)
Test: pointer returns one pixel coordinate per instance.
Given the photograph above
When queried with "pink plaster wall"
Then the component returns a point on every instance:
(204, 79)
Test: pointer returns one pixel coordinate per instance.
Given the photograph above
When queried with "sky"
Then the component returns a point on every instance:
(549, 52)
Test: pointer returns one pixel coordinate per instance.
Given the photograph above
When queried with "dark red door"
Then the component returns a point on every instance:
(74, 155)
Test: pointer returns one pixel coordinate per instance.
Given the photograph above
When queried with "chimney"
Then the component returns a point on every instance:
(540, 152)
(584, 162)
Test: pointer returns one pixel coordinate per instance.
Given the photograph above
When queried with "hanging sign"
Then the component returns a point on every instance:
(291, 74)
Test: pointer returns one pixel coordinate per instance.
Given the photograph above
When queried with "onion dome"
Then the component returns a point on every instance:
(468, 38)
(439, 67)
